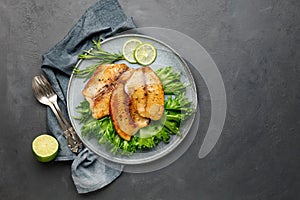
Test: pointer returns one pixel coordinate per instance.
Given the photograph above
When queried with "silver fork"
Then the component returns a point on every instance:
(53, 99)
(44, 93)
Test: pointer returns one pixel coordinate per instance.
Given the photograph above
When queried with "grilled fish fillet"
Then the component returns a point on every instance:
(146, 93)
(119, 108)
(154, 93)
(135, 89)
(99, 88)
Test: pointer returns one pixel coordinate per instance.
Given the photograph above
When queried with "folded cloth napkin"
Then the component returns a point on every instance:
(104, 19)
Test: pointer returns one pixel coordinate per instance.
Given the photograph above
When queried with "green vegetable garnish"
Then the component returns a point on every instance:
(101, 57)
(170, 80)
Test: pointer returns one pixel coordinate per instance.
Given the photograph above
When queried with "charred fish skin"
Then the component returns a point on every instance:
(98, 89)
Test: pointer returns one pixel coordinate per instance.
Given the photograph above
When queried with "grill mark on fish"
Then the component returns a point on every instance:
(100, 86)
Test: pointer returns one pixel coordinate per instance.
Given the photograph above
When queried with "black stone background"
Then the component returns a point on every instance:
(255, 45)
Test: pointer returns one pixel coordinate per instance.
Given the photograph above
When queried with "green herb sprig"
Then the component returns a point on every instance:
(100, 56)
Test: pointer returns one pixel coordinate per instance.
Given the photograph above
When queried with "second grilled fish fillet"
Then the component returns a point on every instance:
(119, 109)
(154, 105)
(99, 88)
(135, 89)
(146, 93)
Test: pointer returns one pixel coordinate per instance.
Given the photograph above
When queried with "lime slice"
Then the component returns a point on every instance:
(145, 54)
(45, 148)
(128, 49)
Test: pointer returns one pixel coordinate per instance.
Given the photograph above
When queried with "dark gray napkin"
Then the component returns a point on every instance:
(104, 19)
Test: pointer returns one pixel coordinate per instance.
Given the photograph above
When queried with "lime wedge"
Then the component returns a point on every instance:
(145, 54)
(45, 148)
(128, 49)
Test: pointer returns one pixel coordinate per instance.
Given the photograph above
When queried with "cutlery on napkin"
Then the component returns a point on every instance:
(44, 93)
(103, 19)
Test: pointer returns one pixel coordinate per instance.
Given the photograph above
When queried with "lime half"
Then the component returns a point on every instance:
(45, 148)
(145, 54)
(128, 49)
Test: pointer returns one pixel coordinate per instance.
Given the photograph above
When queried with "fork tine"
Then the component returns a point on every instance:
(47, 84)
(34, 89)
(38, 93)
(42, 81)
(39, 87)
(44, 89)
(39, 80)
(35, 86)
(45, 81)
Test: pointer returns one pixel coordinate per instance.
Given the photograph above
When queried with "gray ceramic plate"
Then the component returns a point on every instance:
(166, 56)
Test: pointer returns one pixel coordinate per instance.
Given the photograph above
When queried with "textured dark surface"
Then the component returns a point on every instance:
(256, 46)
